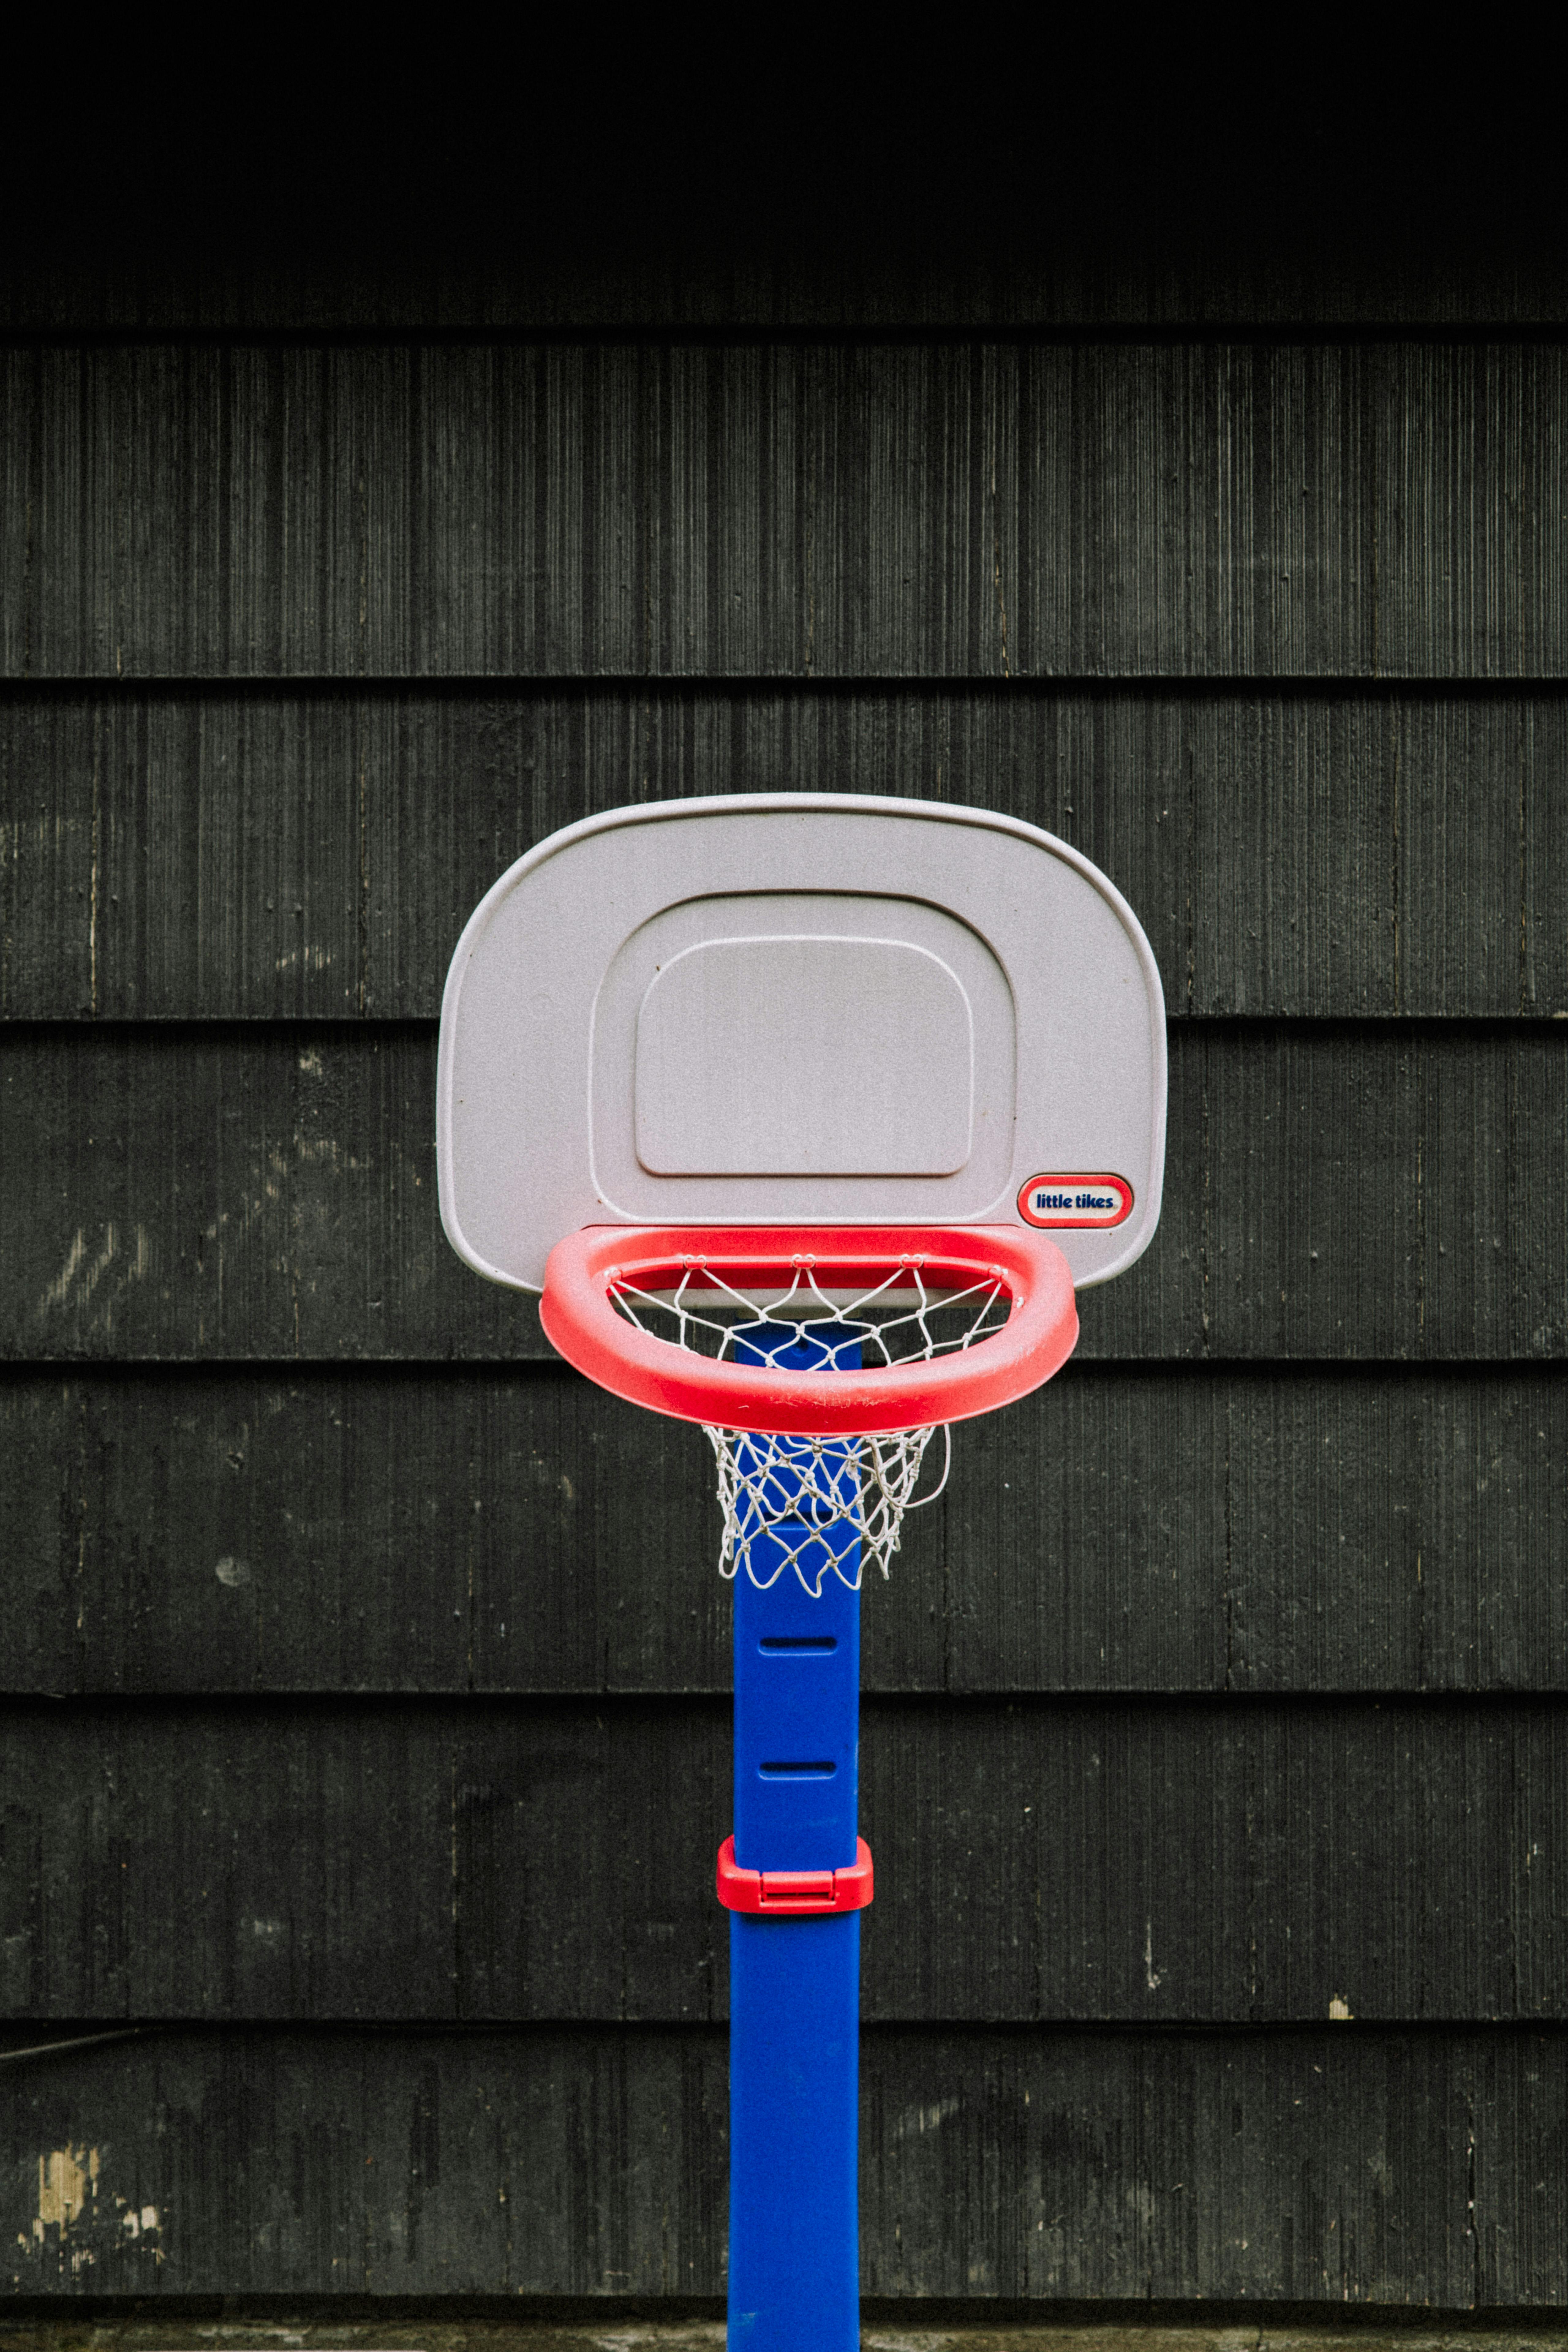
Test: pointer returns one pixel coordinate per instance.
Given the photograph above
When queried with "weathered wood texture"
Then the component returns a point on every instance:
(1367, 1194)
(1131, 1859)
(1224, 1690)
(522, 1532)
(1196, 508)
(265, 852)
(1333, 2166)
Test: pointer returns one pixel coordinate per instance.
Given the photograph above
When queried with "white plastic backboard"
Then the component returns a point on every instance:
(800, 1008)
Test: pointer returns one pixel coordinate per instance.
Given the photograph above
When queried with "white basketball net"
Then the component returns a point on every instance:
(816, 1505)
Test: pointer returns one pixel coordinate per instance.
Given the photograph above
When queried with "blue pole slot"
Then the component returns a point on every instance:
(795, 1983)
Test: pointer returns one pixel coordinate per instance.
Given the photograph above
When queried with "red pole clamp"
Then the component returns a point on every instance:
(797, 1894)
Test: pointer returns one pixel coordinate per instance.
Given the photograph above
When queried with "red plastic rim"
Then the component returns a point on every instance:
(1036, 1340)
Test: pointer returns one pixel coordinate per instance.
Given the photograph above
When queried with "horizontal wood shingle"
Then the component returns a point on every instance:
(265, 852)
(1326, 2165)
(1201, 1530)
(1365, 1193)
(858, 510)
(1094, 1859)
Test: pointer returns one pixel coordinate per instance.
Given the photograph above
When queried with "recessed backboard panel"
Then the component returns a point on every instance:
(785, 1009)
(731, 1045)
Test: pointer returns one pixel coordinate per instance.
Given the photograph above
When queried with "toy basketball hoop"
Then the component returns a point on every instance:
(785, 1103)
(907, 1329)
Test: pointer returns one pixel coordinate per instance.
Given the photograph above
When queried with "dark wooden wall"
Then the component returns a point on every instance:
(365, 1740)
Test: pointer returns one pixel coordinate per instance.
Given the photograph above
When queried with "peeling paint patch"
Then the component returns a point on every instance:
(76, 2225)
(67, 2177)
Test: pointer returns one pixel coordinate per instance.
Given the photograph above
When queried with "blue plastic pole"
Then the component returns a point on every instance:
(795, 1983)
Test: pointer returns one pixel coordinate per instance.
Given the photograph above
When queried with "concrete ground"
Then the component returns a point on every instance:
(146, 2331)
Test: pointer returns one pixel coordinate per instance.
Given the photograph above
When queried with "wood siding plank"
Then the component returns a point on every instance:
(1207, 1861)
(1203, 510)
(523, 1531)
(1365, 1193)
(1333, 2166)
(268, 853)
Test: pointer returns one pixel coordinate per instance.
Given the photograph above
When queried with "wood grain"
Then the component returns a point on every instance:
(520, 1530)
(364, 1731)
(265, 851)
(855, 510)
(1368, 1193)
(1206, 1862)
(1323, 2166)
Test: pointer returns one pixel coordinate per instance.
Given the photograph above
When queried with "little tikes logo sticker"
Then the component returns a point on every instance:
(1075, 1200)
